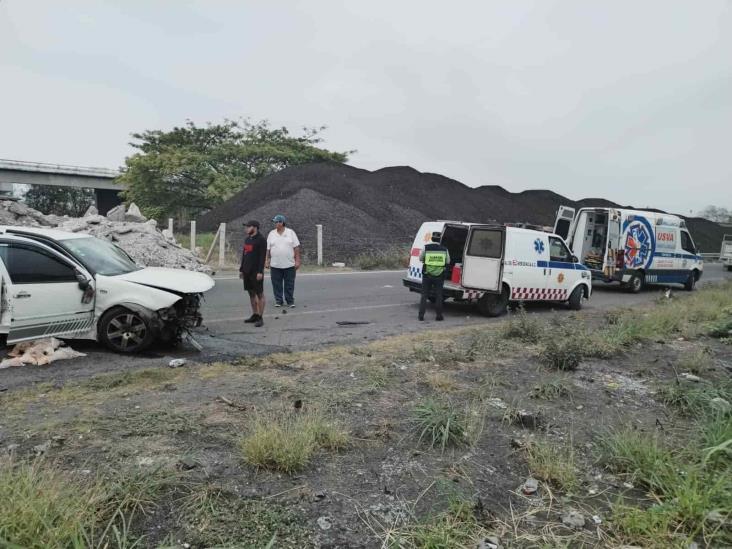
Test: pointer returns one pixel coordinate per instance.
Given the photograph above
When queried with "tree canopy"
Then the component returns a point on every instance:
(716, 213)
(69, 201)
(192, 168)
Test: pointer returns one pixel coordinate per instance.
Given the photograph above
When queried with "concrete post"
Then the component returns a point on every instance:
(170, 225)
(320, 243)
(193, 236)
(222, 245)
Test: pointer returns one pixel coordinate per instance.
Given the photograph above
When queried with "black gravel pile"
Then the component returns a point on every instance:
(365, 211)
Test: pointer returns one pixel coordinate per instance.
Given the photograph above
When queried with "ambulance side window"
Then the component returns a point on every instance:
(558, 251)
(486, 243)
(686, 243)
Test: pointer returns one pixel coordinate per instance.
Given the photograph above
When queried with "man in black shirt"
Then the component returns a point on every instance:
(251, 270)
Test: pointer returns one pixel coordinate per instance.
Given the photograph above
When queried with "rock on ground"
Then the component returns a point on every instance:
(142, 240)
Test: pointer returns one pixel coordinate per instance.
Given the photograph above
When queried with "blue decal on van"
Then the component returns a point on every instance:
(640, 242)
(539, 246)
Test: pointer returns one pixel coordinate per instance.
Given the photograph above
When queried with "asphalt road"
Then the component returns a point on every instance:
(376, 301)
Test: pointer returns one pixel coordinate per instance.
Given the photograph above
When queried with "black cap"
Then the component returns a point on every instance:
(436, 236)
(252, 223)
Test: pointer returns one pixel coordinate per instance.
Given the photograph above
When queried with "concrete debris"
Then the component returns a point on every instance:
(596, 519)
(127, 228)
(573, 519)
(721, 405)
(117, 213)
(92, 210)
(177, 363)
(491, 542)
(38, 353)
(690, 377)
(530, 486)
(325, 523)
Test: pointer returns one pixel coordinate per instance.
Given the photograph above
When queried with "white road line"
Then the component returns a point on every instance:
(321, 311)
(351, 273)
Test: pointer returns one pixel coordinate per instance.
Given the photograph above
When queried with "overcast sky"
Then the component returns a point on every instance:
(627, 100)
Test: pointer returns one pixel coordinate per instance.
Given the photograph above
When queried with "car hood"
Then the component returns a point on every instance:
(174, 280)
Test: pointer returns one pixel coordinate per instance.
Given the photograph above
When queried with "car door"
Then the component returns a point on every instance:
(483, 258)
(560, 273)
(44, 294)
(564, 221)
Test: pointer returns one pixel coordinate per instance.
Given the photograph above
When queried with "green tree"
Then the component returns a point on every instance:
(716, 213)
(59, 200)
(192, 168)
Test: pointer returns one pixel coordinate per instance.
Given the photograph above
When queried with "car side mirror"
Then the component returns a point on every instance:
(82, 279)
(575, 259)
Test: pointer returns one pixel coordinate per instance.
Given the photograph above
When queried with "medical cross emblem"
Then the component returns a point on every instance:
(539, 246)
(637, 245)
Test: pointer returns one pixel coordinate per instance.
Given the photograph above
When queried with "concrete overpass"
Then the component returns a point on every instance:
(36, 173)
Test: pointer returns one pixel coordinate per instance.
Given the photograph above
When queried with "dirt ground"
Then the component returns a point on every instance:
(188, 425)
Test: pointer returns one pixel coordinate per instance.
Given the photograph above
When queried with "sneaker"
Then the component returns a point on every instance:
(420, 318)
(439, 319)
(259, 322)
(291, 305)
(278, 304)
(251, 319)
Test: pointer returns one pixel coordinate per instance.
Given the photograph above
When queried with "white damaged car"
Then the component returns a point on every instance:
(76, 286)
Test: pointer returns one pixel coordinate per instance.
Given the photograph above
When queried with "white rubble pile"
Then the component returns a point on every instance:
(127, 228)
(38, 352)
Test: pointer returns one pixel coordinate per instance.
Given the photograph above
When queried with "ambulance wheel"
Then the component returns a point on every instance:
(729, 268)
(494, 304)
(690, 282)
(635, 284)
(575, 299)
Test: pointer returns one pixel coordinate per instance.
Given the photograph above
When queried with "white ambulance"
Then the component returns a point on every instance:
(631, 247)
(725, 255)
(495, 264)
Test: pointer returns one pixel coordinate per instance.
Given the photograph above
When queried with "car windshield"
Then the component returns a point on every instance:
(100, 256)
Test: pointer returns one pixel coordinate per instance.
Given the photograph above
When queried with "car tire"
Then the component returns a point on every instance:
(729, 267)
(125, 331)
(635, 284)
(494, 304)
(690, 283)
(575, 298)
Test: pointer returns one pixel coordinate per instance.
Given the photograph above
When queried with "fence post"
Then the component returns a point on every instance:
(193, 236)
(222, 245)
(320, 244)
(170, 225)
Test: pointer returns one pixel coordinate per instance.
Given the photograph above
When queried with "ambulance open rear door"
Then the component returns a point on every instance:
(564, 222)
(483, 258)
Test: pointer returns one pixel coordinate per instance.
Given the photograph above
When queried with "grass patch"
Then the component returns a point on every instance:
(441, 382)
(552, 463)
(689, 485)
(562, 353)
(695, 399)
(147, 378)
(523, 327)
(458, 527)
(553, 389)
(287, 440)
(441, 423)
(396, 257)
(695, 362)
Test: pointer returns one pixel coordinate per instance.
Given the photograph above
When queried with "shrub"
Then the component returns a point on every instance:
(552, 463)
(523, 326)
(562, 354)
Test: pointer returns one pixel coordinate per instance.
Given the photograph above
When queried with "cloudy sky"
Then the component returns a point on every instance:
(627, 100)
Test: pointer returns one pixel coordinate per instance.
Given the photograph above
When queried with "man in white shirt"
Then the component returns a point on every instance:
(283, 260)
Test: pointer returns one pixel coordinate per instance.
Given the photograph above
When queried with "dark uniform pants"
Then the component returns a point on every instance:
(431, 285)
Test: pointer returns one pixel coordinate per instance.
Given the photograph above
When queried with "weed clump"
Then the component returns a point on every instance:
(553, 464)
(523, 327)
(562, 354)
(552, 390)
(441, 423)
(286, 441)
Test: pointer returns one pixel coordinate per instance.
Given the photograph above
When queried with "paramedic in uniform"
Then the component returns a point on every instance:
(251, 270)
(435, 258)
(283, 260)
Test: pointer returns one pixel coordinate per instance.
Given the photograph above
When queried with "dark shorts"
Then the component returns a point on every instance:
(252, 285)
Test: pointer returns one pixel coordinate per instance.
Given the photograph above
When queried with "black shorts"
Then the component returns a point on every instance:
(252, 285)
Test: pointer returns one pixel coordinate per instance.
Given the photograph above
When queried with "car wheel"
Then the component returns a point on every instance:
(729, 267)
(494, 304)
(575, 298)
(690, 283)
(125, 331)
(635, 284)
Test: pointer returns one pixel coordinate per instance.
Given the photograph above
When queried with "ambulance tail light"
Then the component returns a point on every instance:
(620, 259)
(457, 274)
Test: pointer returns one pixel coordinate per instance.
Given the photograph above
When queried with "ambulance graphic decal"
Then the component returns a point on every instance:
(539, 246)
(639, 243)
